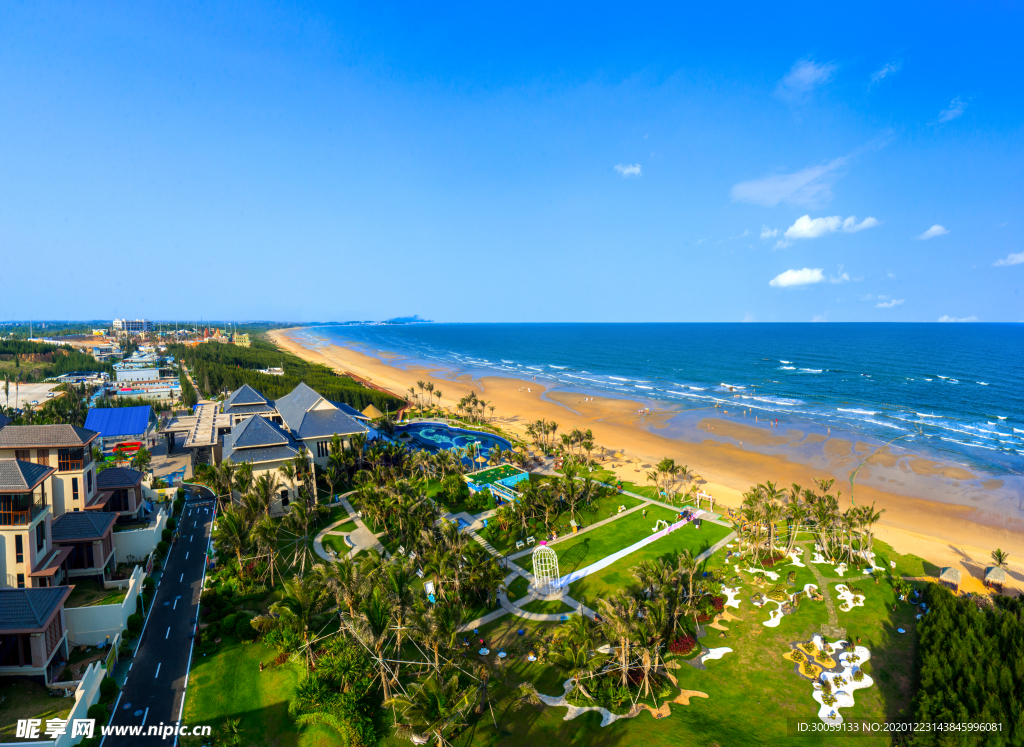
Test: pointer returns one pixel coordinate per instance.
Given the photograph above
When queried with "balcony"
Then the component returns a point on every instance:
(20, 510)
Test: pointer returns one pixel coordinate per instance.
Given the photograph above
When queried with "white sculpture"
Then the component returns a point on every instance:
(545, 570)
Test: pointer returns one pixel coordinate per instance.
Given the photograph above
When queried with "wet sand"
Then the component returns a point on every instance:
(942, 533)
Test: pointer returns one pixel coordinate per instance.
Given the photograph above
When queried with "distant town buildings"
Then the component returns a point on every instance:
(240, 339)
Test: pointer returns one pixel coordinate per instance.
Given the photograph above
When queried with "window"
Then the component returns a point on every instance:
(16, 509)
(323, 448)
(81, 556)
(15, 651)
(74, 488)
(88, 482)
(40, 536)
(284, 497)
(19, 549)
(118, 501)
(21, 580)
(43, 457)
(70, 459)
(23, 454)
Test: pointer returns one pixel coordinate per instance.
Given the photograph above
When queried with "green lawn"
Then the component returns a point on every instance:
(594, 544)
(517, 588)
(229, 684)
(618, 576)
(548, 607)
(88, 593)
(337, 543)
(20, 699)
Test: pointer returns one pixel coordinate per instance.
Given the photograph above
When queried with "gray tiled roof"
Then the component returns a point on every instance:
(259, 440)
(293, 406)
(18, 476)
(269, 454)
(24, 609)
(320, 423)
(118, 477)
(244, 395)
(257, 431)
(20, 436)
(82, 525)
(247, 409)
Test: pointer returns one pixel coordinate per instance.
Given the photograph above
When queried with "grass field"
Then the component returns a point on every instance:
(618, 576)
(88, 593)
(20, 699)
(594, 544)
(229, 684)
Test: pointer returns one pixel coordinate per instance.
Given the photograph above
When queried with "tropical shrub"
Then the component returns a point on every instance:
(166, 535)
(682, 644)
(108, 688)
(134, 624)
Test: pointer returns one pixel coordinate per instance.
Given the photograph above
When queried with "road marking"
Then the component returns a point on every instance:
(144, 716)
(190, 537)
(182, 578)
(168, 633)
(186, 556)
(175, 605)
(157, 671)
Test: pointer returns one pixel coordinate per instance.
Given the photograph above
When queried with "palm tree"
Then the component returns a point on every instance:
(264, 534)
(619, 614)
(287, 470)
(433, 707)
(1000, 558)
(303, 598)
(233, 533)
(373, 628)
(224, 479)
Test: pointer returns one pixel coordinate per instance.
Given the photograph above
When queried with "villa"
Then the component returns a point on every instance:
(72, 486)
(267, 447)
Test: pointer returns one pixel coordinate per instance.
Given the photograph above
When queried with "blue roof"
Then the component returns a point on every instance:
(112, 422)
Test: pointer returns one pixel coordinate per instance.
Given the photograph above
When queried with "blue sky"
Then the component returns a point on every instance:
(583, 163)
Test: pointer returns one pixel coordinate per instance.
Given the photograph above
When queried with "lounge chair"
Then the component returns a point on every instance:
(520, 544)
(412, 555)
(401, 550)
(419, 572)
(531, 541)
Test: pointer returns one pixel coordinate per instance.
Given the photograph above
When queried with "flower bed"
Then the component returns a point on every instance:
(682, 645)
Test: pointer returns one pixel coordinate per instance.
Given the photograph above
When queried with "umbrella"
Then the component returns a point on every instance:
(481, 459)
(372, 412)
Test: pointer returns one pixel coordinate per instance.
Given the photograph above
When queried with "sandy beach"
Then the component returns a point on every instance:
(942, 533)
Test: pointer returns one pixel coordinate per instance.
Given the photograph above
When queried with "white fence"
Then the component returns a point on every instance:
(87, 694)
(139, 543)
(100, 623)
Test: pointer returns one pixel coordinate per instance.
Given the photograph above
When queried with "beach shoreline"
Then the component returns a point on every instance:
(943, 533)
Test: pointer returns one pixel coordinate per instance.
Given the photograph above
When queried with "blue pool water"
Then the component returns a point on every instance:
(434, 437)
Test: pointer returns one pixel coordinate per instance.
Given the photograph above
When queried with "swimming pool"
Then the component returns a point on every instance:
(437, 436)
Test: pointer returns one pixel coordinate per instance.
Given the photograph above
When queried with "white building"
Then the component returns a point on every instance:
(132, 326)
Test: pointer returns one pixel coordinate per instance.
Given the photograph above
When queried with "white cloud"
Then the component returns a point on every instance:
(850, 225)
(932, 232)
(956, 108)
(945, 318)
(769, 233)
(820, 317)
(806, 227)
(811, 186)
(889, 304)
(628, 170)
(782, 244)
(1010, 259)
(748, 317)
(791, 278)
(804, 77)
(889, 68)
(842, 277)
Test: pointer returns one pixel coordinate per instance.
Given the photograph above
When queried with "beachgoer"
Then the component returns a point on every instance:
(261, 666)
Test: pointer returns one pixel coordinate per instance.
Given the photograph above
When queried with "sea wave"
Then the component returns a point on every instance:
(814, 370)
(926, 415)
(786, 401)
(787, 368)
(732, 386)
(641, 386)
(786, 362)
(617, 378)
(858, 412)
(982, 383)
(552, 365)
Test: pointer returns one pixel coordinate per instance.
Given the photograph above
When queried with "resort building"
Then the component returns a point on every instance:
(246, 401)
(33, 634)
(120, 492)
(72, 487)
(267, 447)
(89, 535)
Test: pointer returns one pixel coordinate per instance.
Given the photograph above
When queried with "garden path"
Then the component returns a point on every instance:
(361, 539)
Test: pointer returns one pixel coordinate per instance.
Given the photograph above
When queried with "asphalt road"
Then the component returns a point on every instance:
(156, 682)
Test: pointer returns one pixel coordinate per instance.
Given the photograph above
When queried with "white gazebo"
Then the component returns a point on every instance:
(545, 571)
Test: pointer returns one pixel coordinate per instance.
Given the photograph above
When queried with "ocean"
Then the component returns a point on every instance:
(950, 391)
